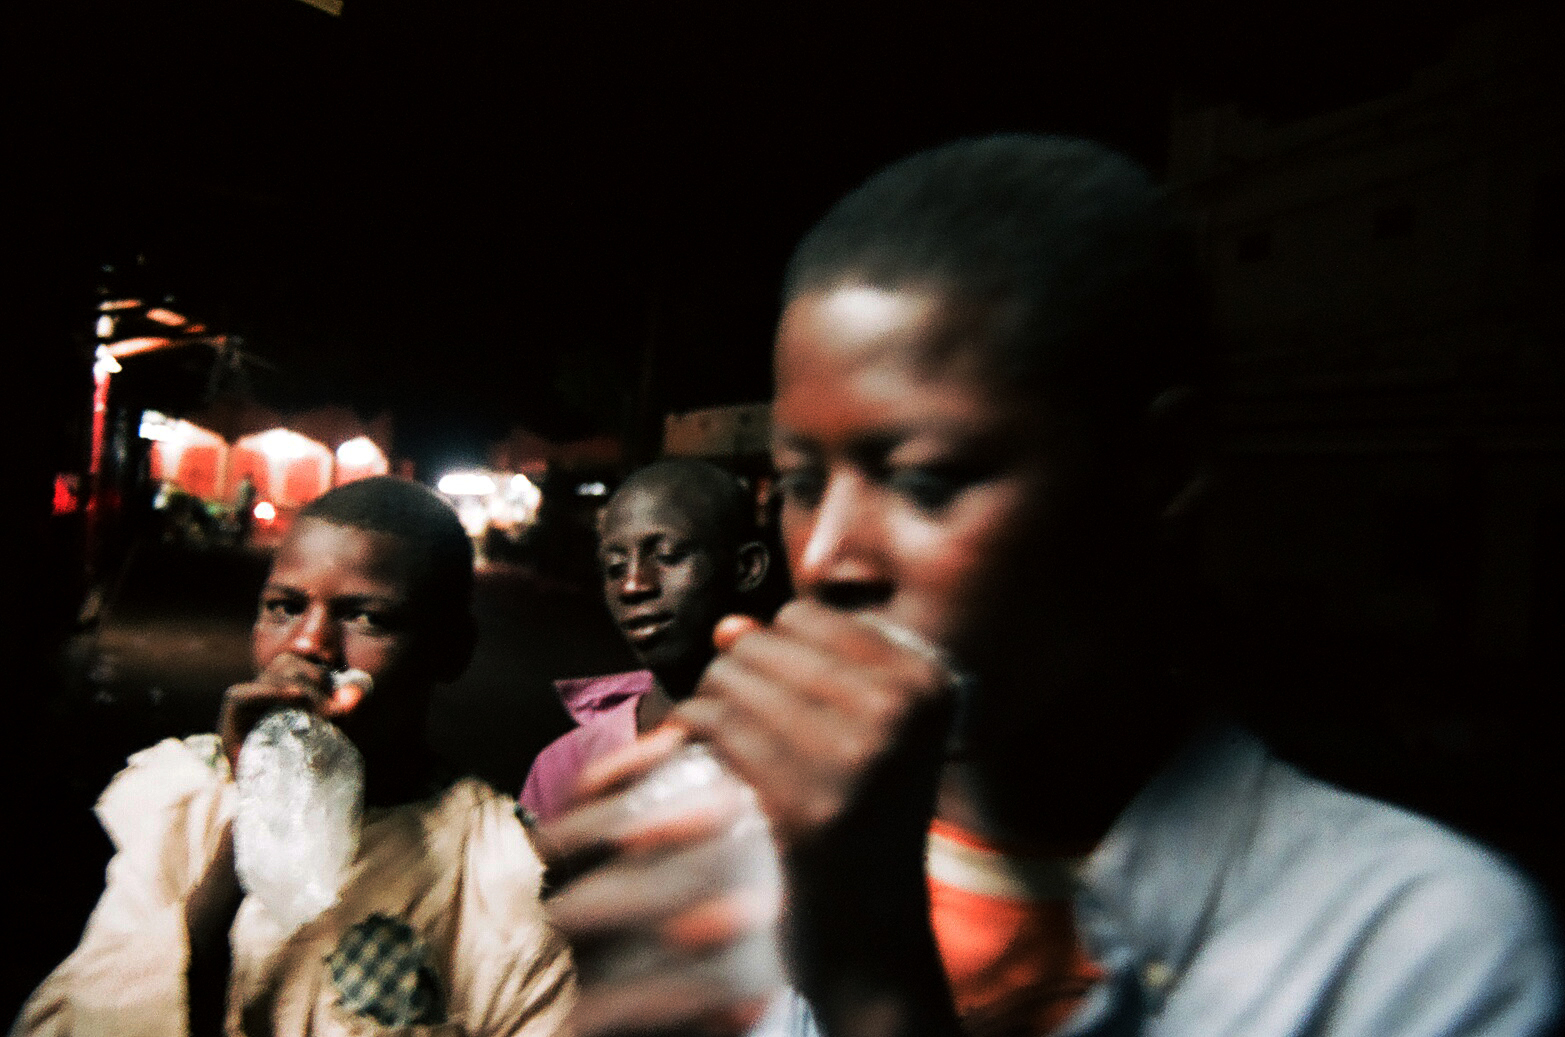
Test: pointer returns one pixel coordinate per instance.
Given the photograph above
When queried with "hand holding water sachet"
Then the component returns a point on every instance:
(798, 778)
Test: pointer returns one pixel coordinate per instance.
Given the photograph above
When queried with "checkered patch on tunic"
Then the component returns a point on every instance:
(381, 970)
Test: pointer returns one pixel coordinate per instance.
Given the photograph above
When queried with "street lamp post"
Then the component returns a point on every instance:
(106, 362)
(104, 365)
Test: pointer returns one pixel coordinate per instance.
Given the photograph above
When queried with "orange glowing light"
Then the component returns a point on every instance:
(264, 512)
(162, 316)
(131, 346)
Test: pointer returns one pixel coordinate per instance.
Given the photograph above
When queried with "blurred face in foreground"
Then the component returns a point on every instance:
(915, 486)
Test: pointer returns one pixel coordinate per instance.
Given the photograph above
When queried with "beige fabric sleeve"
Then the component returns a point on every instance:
(515, 972)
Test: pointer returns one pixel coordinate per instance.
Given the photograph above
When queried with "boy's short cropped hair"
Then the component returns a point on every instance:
(405, 509)
(1094, 278)
(708, 493)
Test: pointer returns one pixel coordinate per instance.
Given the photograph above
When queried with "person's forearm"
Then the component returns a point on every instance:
(868, 964)
(912, 1003)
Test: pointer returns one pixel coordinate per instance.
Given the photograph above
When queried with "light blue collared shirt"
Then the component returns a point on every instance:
(1237, 897)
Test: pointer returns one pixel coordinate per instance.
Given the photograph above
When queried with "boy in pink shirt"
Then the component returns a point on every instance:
(677, 551)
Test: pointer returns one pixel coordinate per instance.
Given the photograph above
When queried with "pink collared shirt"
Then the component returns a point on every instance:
(605, 709)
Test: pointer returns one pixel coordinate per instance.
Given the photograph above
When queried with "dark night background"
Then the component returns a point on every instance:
(573, 218)
(485, 214)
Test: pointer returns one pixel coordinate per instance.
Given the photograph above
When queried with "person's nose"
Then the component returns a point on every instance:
(315, 636)
(841, 557)
(640, 580)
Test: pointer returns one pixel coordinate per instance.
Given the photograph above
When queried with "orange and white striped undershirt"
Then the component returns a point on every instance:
(1007, 934)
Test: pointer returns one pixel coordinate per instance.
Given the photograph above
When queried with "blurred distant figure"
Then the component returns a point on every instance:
(244, 509)
(182, 518)
(438, 928)
(678, 550)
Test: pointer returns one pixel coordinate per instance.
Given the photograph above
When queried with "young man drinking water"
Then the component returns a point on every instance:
(990, 374)
(437, 928)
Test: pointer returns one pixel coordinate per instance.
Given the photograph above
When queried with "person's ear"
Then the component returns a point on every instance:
(1177, 452)
(754, 561)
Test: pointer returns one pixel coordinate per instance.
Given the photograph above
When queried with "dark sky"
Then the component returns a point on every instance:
(506, 213)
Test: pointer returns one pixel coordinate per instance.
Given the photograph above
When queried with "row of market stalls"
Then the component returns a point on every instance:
(531, 480)
(534, 492)
(241, 455)
(238, 454)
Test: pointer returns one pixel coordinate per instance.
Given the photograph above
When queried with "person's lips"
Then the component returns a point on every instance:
(644, 628)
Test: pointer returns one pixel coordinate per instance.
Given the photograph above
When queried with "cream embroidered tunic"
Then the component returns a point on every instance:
(457, 869)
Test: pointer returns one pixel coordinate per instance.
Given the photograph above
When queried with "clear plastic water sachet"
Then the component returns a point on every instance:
(301, 801)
